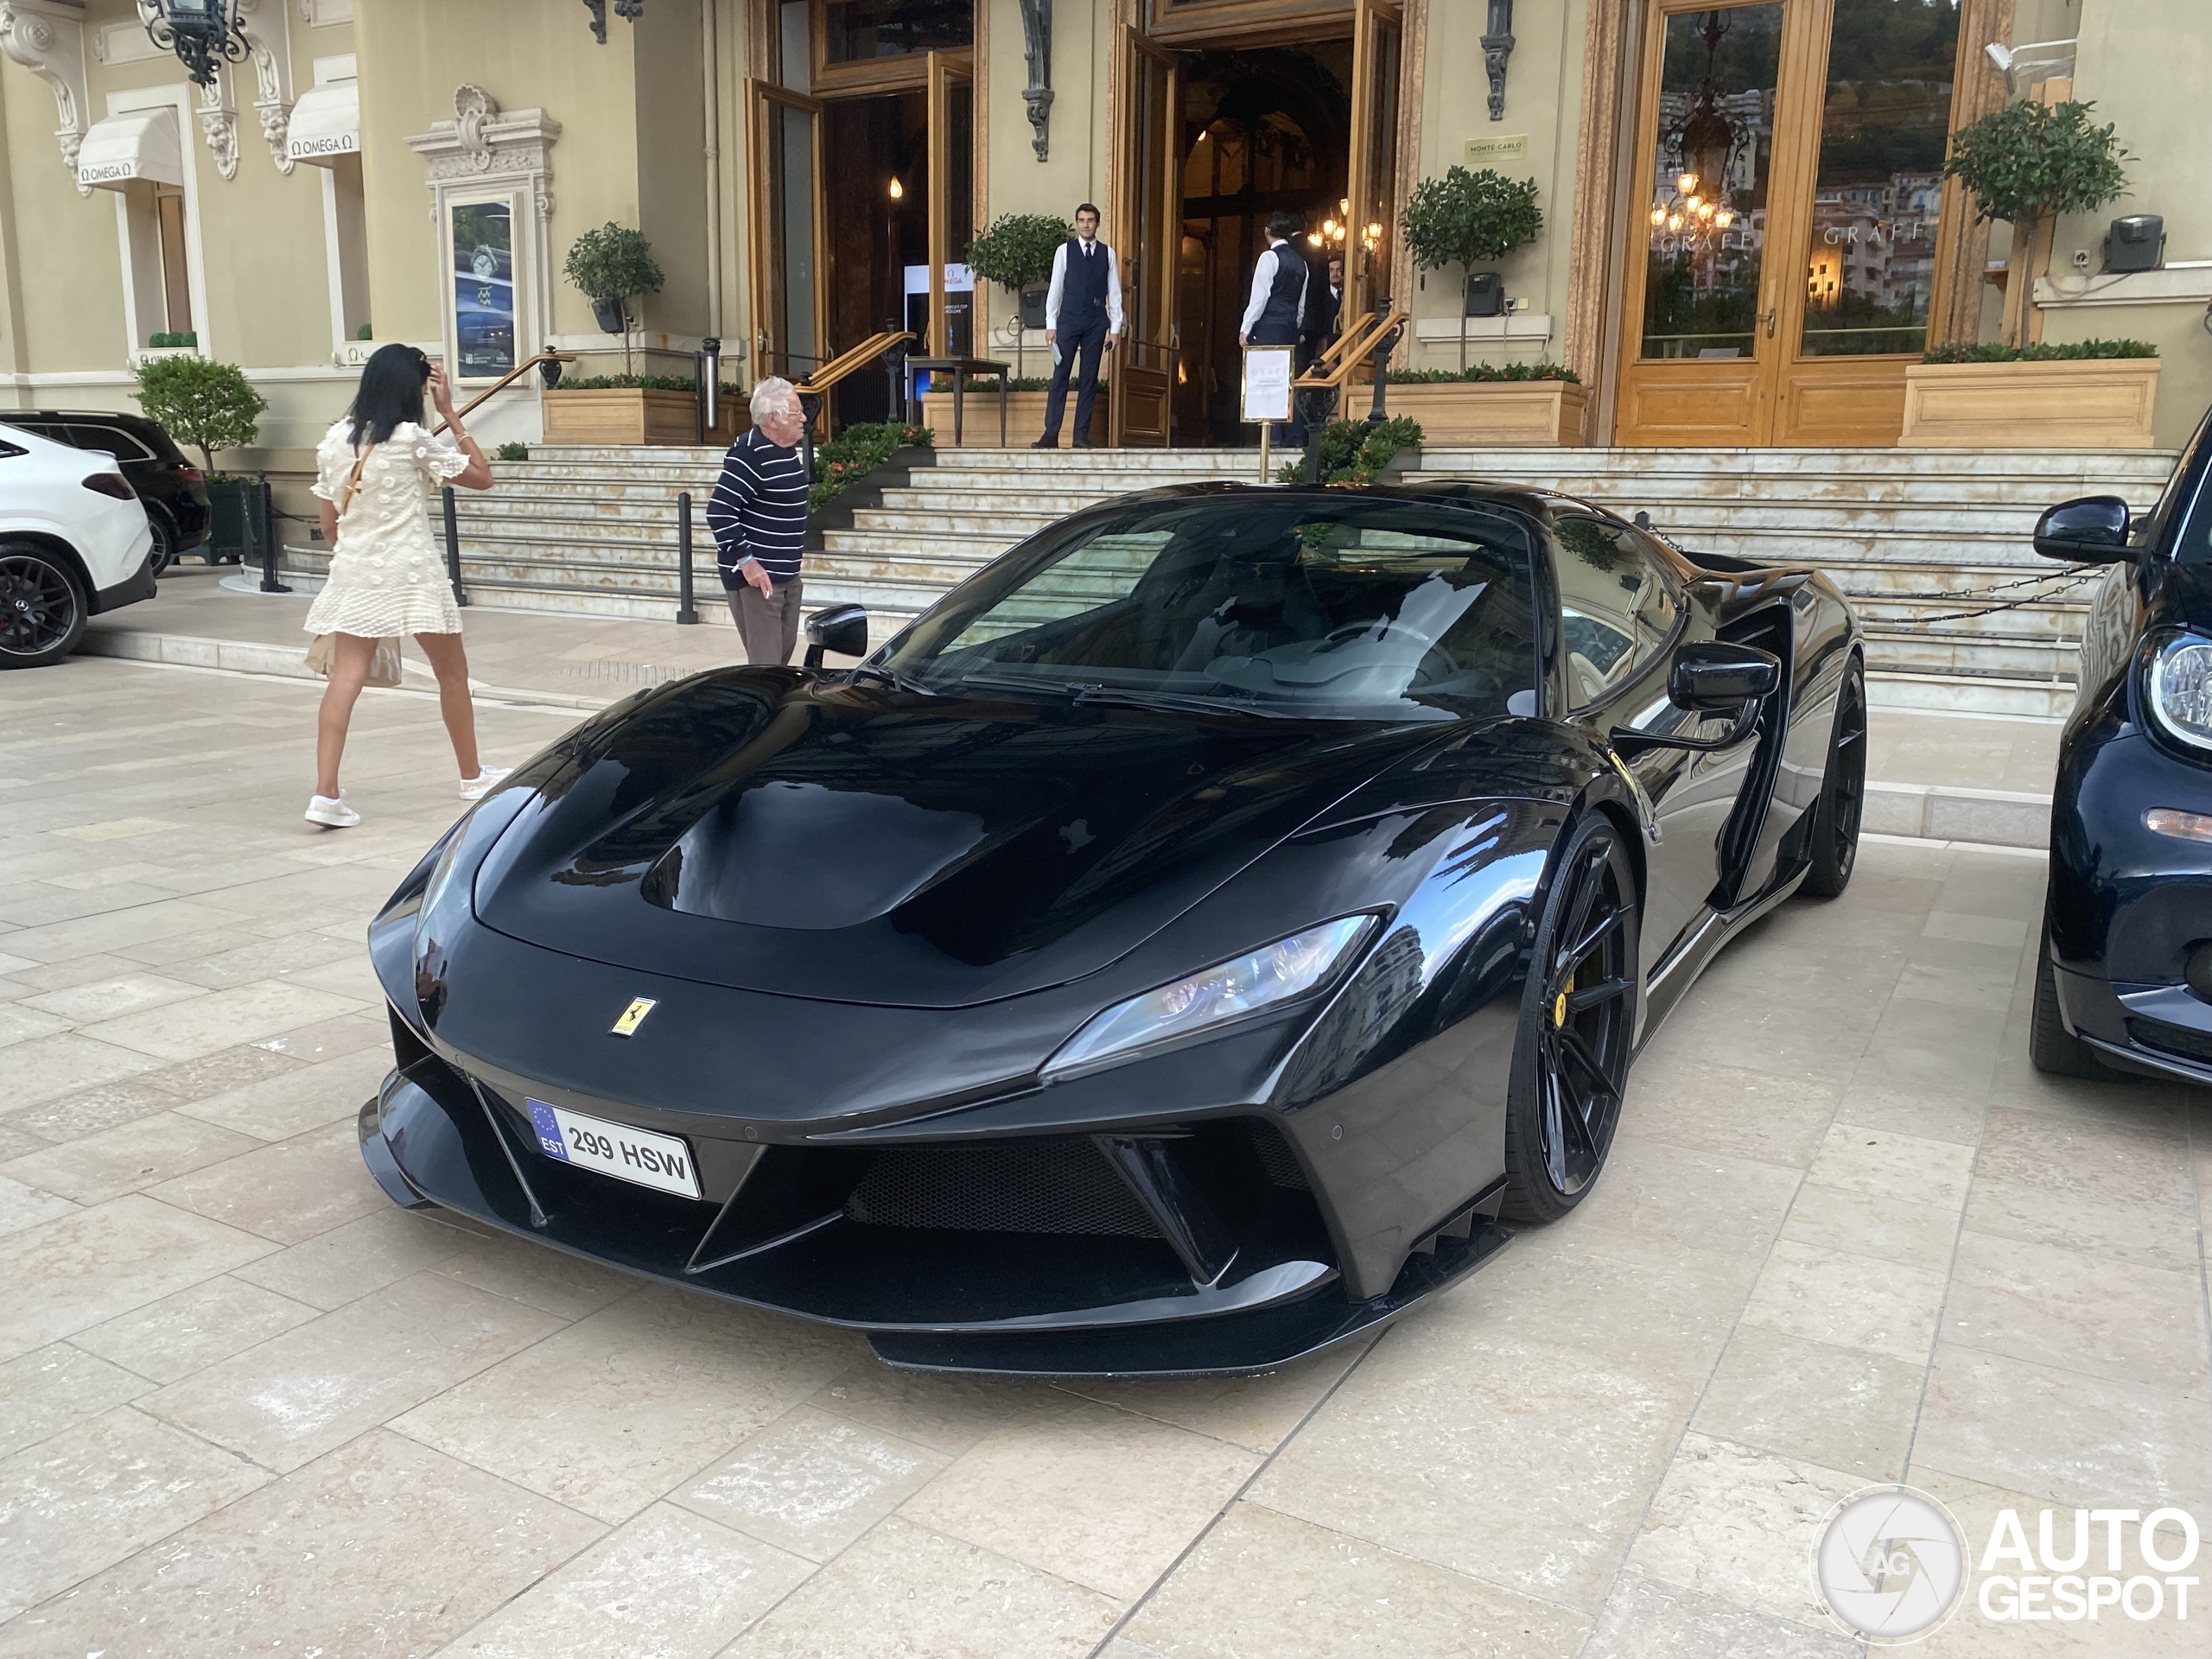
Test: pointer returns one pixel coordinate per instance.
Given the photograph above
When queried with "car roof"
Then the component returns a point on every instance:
(38, 443)
(1446, 491)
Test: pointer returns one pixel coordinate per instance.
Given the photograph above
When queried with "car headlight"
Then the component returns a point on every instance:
(1227, 992)
(2181, 689)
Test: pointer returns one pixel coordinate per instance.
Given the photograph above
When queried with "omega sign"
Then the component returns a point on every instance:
(331, 143)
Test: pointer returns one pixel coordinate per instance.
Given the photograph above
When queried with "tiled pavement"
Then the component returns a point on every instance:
(247, 1407)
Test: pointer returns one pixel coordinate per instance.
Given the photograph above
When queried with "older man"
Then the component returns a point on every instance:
(758, 515)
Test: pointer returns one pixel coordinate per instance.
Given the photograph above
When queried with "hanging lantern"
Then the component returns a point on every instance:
(203, 34)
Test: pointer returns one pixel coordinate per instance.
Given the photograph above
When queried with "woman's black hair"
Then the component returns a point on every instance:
(391, 393)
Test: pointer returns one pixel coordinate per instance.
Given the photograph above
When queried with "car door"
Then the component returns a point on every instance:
(1622, 611)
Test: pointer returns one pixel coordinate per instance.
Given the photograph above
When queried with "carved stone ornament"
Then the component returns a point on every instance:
(219, 124)
(48, 38)
(1497, 47)
(268, 38)
(1037, 44)
(472, 107)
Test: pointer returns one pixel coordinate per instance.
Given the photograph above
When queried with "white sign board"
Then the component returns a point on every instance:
(1266, 382)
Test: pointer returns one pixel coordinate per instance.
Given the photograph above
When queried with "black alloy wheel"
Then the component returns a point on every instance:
(1843, 792)
(1578, 1028)
(41, 608)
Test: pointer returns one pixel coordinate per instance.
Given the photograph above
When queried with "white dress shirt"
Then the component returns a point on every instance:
(1263, 282)
(1113, 288)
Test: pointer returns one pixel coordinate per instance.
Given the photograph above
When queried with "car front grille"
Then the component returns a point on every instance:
(1060, 1184)
(2173, 1039)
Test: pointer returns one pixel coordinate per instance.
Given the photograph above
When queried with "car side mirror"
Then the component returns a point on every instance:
(1719, 678)
(2091, 530)
(840, 628)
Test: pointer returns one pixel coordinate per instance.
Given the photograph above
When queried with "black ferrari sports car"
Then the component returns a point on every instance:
(1172, 953)
(2124, 979)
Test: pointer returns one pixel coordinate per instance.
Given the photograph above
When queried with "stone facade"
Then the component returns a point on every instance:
(277, 263)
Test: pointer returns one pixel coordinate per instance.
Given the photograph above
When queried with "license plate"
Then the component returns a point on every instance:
(616, 1149)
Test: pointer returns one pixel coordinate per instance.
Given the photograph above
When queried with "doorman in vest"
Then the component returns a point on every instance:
(1275, 313)
(1083, 317)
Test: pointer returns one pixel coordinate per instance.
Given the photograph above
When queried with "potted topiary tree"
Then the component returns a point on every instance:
(1468, 218)
(2027, 163)
(1471, 221)
(609, 265)
(210, 406)
(1015, 251)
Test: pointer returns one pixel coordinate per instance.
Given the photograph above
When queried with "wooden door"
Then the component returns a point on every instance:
(1787, 213)
(952, 172)
(1371, 232)
(1146, 233)
(789, 256)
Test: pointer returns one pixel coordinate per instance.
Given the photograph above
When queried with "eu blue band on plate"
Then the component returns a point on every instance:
(549, 1138)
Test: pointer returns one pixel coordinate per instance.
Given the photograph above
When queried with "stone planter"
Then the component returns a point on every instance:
(1484, 412)
(1025, 418)
(632, 415)
(2102, 403)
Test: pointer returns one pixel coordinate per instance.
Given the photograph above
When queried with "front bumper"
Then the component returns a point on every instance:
(1129, 1282)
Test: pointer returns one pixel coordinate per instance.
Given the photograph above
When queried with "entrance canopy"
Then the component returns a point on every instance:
(143, 144)
(325, 124)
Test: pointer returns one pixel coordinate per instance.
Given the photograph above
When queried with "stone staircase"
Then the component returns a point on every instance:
(1924, 541)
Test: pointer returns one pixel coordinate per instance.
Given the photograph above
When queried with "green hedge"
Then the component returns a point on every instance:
(856, 452)
(1352, 452)
(2079, 350)
(636, 383)
(1483, 372)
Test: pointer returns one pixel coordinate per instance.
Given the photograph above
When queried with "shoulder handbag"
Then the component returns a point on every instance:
(384, 667)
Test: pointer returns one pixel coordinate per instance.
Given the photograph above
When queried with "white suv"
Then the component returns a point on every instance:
(73, 542)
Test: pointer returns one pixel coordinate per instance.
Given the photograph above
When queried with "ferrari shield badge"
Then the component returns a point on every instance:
(633, 1016)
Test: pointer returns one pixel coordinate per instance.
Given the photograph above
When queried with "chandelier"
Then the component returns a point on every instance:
(1687, 219)
(204, 33)
(1690, 218)
(1334, 233)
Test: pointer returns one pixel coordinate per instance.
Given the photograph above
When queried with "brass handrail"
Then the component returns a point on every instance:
(846, 362)
(508, 379)
(1334, 368)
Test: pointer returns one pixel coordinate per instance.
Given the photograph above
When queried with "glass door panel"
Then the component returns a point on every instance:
(788, 258)
(1147, 229)
(1878, 190)
(1371, 231)
(952, 195)
(1712, 159)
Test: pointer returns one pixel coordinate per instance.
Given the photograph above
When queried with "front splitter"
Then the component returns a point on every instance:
(461, 1166)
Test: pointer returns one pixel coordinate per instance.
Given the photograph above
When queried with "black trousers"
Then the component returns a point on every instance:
(1087, 340)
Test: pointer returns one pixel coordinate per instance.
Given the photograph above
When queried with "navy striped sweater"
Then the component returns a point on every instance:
(759, 509)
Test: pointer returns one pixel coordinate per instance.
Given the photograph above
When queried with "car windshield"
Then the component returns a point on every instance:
(1296, 603)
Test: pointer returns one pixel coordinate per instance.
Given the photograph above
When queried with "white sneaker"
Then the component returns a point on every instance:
(334, 813)
(473, 789)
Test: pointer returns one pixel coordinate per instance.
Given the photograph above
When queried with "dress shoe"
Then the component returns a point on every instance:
(1081, 443)
(1046, 443)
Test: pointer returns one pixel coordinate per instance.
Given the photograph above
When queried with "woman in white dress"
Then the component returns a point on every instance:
(375, 470)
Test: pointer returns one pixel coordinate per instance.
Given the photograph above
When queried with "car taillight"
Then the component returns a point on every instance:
(190, 474)
(110, 483)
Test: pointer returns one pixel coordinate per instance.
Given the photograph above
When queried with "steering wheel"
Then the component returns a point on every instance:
(1350, 630)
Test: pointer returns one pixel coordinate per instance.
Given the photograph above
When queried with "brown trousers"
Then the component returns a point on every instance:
(767, 623)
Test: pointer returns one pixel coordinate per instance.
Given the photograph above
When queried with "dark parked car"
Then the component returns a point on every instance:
(2124, 981)
(1172, 953)
(174, 490)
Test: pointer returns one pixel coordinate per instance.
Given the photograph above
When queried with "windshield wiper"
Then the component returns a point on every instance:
(1013, 683)
(1135, 699)
(891, 677)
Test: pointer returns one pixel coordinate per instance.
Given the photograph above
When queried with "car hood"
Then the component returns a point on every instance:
(762, 830)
